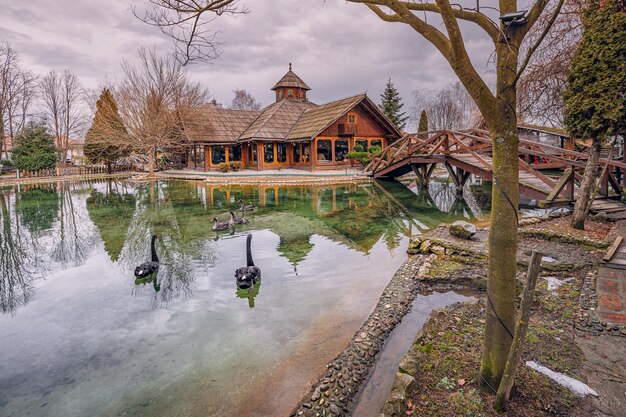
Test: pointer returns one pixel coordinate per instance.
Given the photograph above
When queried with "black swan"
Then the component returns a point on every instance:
(148, 268)
(220, 226)
(250, 207)
(237, 220)
(250, 274)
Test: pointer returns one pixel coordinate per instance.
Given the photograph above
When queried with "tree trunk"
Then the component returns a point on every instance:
(500, 318)
(586, 187)
(151, 163)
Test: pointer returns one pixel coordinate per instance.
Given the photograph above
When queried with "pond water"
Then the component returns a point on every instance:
(80, 336)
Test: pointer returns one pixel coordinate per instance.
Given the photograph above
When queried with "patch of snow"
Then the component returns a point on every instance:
(554, 283)
(574, 385)
(549, 259)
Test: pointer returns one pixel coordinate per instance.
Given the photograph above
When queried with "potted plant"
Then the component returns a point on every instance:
(235, 165)
(224, 166)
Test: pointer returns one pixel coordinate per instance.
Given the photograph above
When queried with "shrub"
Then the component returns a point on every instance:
(6, 163)
(359, 148)
(235, 165)
(34, 148)
(224, 166)
(374, 149)
(362, 157)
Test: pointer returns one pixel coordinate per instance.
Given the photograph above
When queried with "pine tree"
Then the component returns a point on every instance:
(595, 103)
(423, 125)
(391, 104)
(100, 141)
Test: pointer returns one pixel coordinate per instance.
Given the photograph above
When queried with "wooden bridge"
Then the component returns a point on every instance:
(468, 152)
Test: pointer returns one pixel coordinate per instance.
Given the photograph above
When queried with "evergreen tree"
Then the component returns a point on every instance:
(423, 125)
(596, 97)
(391, 104)
(101, 143)
(34, 148)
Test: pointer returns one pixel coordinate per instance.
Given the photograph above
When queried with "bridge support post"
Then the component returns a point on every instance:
(459, 177)
(423, 173)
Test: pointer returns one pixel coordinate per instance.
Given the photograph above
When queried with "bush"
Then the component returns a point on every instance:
(235, 165)
(374, 149)
(362, 157)
(359, 148)
(34, 148)
(224, 166)
(6, 163)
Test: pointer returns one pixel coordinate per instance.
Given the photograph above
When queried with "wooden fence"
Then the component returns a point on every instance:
(76, 170)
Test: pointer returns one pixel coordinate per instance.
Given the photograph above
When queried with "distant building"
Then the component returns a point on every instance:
(291, 132)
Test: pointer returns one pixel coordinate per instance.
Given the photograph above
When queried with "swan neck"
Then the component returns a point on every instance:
(153, 250)
(249, 251)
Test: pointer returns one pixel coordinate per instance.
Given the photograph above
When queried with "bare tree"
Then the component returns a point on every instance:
(244, 101)
(449, 108)
(16, 95)
(541, 87)
(62, 96)
(181, 21)
(154, 98)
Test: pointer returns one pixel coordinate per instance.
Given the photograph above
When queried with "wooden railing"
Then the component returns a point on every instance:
(75, 170)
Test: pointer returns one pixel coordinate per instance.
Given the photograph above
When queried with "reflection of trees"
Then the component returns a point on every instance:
(15, 280)
(73, 236)
(112, 213)
(37, 208)
(177, 250)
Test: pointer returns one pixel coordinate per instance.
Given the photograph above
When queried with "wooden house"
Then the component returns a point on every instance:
(292, 132)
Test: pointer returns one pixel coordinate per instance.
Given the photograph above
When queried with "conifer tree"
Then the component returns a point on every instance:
(423, 125)
(102, 139)
(391, 104)
(596, 98)
(34, 148)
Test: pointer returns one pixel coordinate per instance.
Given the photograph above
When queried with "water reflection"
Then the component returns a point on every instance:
(52, 227)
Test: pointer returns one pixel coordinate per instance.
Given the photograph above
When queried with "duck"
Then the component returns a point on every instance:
(248, 275)
(219, 226)
(149, 268)
(237, 220)
(249, 207)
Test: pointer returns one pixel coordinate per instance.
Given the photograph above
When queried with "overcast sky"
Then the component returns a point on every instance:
(339, 49)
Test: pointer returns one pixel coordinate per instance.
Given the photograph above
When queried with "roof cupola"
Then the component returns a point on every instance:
(291, 87)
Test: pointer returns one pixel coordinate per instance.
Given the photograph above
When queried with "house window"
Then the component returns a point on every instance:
(351, 118)
(252, 153)
(297, 152)
(290, 92)
(218, 154)
(268, 153)
(234, 153)
(281, 152)
(306, 152)
(341, 149)
(324, 150)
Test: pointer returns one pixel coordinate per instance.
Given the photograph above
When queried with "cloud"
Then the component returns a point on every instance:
(338, 48)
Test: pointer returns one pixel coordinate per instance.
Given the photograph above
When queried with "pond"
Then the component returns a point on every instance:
(80, 336)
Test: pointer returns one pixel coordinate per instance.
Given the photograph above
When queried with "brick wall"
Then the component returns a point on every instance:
(611, 291)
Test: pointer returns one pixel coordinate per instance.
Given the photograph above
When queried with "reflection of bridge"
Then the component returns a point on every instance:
(469, 152)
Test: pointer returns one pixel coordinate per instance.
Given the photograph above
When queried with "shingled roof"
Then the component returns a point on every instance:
(291, 80)
(276, 120)
(218, 125)
(314, 120)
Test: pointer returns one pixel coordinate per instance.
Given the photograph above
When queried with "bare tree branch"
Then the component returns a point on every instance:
(182, 22)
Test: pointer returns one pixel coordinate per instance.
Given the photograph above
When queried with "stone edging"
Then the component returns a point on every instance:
(563, 238)
(333, 393)
(63, 178)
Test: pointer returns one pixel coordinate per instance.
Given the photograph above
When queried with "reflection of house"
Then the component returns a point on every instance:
(292, 132)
